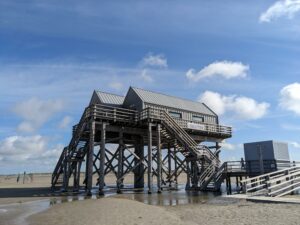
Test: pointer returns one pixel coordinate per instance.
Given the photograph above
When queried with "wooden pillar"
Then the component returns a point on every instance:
(169, 165)
(139, 169)
(90, 155)
(75, 177)
(188, 182)
(78, 175)
(102, 159)
(65, 174)
(150, 179)
(175, 165)
(159, 161)
(229, 186)
(120, 161)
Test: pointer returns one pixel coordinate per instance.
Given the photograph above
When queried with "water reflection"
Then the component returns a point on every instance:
(166, 198)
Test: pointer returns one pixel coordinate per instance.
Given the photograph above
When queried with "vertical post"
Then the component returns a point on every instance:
(150, 179)
(169, 165)
(78, 175)
(102, 159)
(159, 162)
(176, 165)
(120, 161)
(139, 170)
(188, 182)
(90, 158)
(65, 177)
(75, 177)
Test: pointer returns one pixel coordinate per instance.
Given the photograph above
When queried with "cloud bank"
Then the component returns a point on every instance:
(36, 112)
(151, 60)
(290, 98)
(283, 8)
(238, 107)
(27, 150)
(224, 69)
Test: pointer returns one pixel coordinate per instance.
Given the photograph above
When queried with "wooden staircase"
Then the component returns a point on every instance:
(189, 148)
(70, 153)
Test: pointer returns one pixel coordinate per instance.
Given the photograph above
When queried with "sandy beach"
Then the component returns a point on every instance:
(113, 211)
(33, 203)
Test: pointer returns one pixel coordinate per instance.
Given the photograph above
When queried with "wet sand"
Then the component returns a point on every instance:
(33, 203)
(114, 210)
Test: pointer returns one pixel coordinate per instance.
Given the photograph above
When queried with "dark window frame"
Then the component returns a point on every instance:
(177, 115)
(198, 118)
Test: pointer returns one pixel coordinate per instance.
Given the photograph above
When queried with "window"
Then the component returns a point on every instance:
(198, 118)
(175, 114)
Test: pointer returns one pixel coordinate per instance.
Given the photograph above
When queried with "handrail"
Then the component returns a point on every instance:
(276, 183)
(265, 175)
(61, 158)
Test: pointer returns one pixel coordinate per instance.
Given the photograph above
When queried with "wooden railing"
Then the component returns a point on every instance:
(151, 113)
(276, 183)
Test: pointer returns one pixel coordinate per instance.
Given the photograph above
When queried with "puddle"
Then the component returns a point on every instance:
(17, 213)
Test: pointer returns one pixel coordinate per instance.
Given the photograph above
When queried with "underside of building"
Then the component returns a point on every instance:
(156, 135)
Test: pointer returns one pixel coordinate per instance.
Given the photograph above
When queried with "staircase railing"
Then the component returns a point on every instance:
(58, 166)
(186, 138)
(71, 147)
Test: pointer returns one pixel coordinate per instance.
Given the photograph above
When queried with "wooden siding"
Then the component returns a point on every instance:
(186, 115)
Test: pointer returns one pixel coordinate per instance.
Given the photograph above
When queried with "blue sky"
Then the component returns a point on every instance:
(241, 57)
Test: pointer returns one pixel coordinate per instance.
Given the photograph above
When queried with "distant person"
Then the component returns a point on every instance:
(18, 178)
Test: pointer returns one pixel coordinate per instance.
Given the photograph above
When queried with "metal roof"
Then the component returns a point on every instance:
(173, 102)
(111, 99)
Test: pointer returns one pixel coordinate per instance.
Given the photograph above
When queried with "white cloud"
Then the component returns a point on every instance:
(281, 8)
(145, 77)
(28, 149)
(65, 122)
(225, 69)
(290, 98)
(116, 85)
(36, 112)
(238, 107)
(155, 60)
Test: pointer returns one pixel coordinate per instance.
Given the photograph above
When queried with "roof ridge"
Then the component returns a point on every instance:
(168, 95)
(104, 92)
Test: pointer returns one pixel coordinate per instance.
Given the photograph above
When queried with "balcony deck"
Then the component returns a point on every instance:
(136, 118)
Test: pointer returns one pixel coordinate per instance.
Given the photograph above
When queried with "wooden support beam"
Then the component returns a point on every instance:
(90, 155)
(120, 162)
(159, 161)
(188, 181)
(102, 159)
(139, 171)
(65, 173)
(150, 179)
(175, 166)
(77, 186)
(169, 165)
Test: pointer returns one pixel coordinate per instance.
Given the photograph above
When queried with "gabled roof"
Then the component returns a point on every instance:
(173, 102)
(111, 99)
